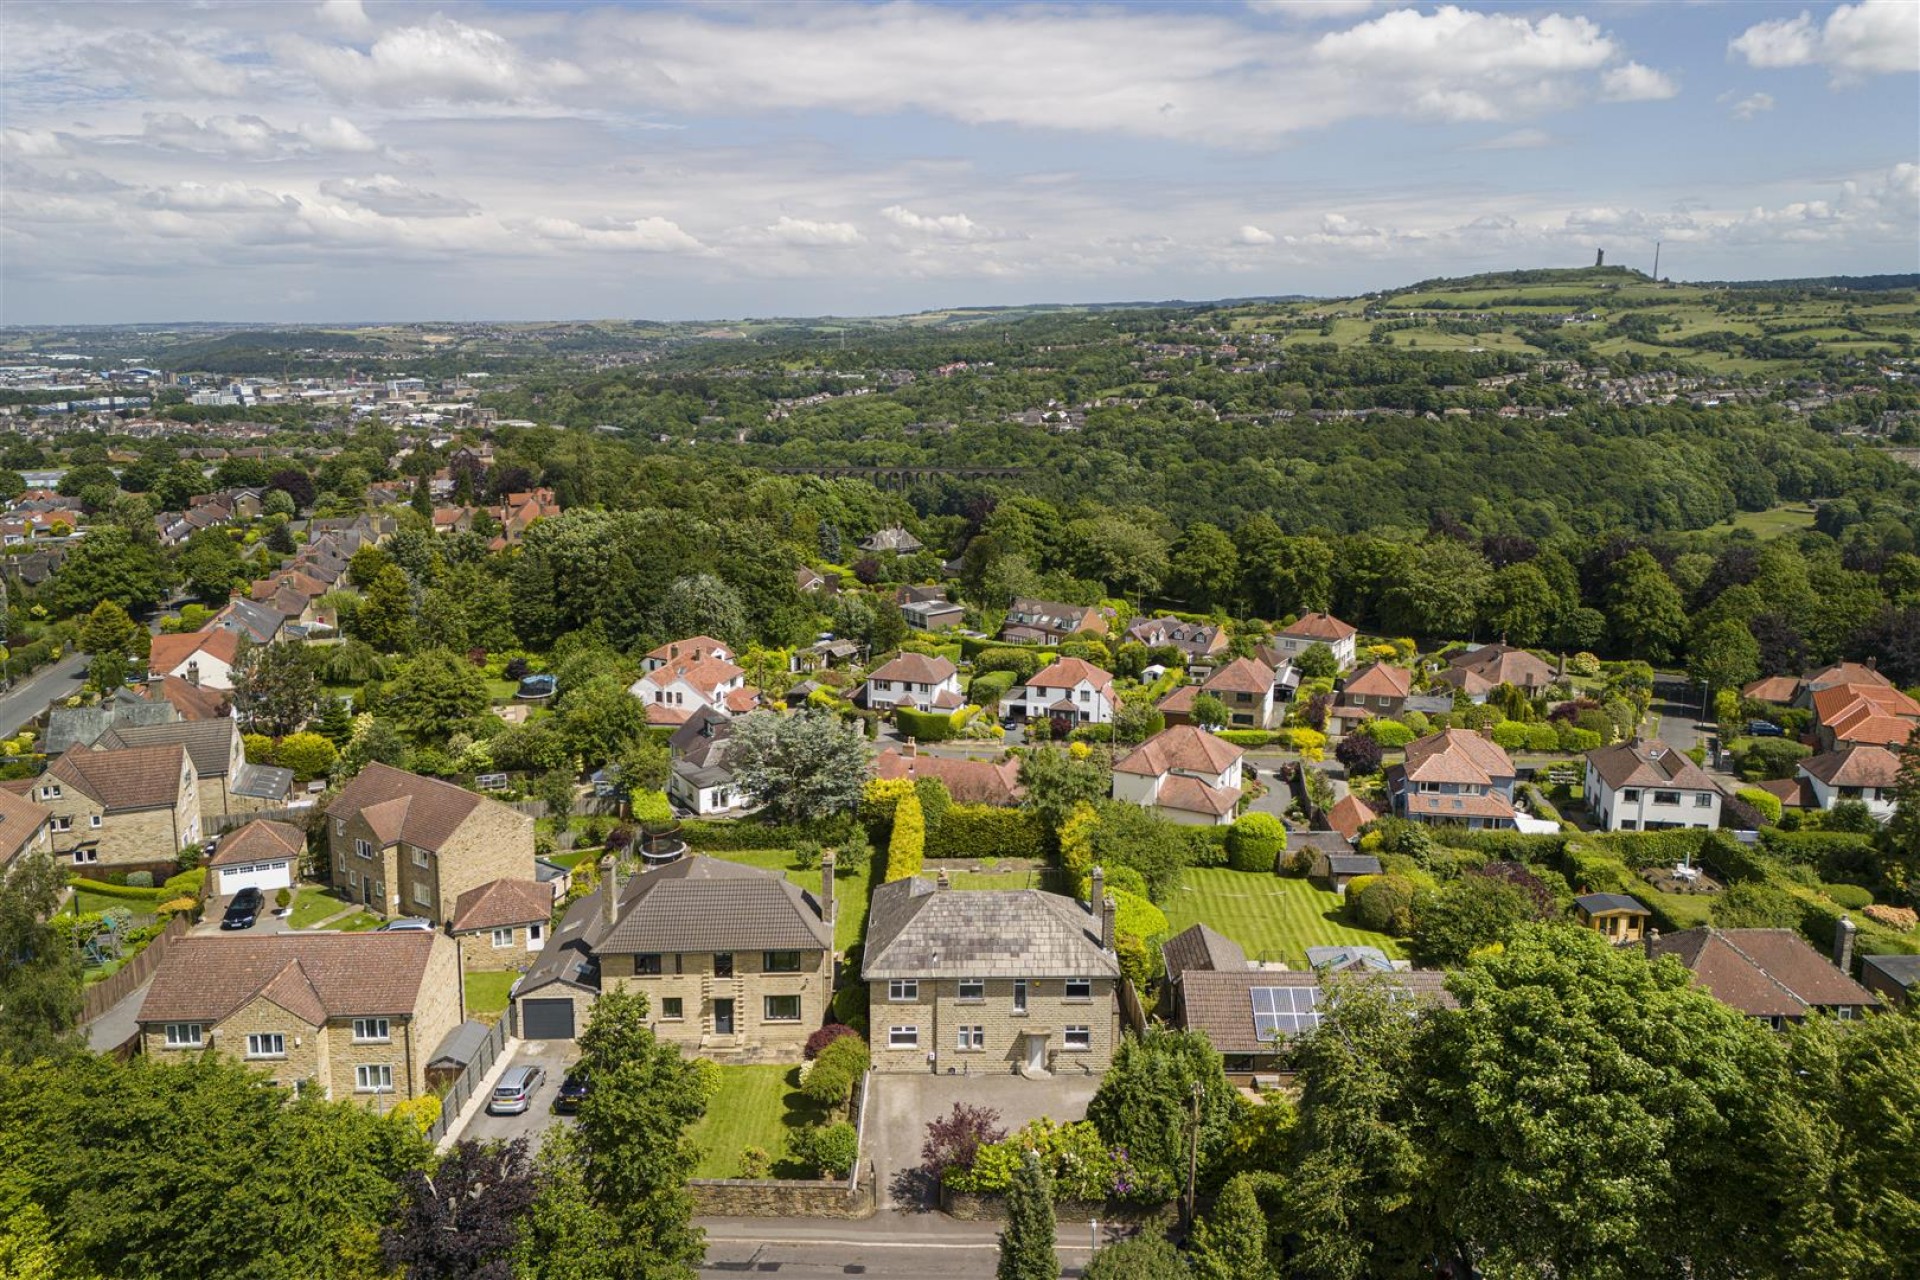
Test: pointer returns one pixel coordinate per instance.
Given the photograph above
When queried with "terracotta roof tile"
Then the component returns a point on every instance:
(1768, 973)
(1320, 626)
(1064, 673)
(1380, 680)
(1456, 756)
(20, 821)
(1191, 795)
(168, 652)
(1349, 815)
(1242, 675)
(967, 781)
(1180, 746)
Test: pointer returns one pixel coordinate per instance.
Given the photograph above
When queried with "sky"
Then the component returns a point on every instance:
(355, 160)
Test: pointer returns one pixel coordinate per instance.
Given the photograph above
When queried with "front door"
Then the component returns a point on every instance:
(723, 1017)
(1036, 1053)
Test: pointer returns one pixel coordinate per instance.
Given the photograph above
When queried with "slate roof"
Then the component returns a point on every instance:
(1865, 765)
(499, 903)
(127, 779)
(405, 806)
(262, 782)
(894, 539)
(460, 1045)
(82, 726)
(705, 904)
(918, 930)
(1220, 1004)
(1767, 973)
(1598, 903)
(1648, 763)
(260, 840)
(260, 624)
(209, 743)
(1199, 947)
(314, 976)
(1178, 747)
(1903, 970)
(1351, 864)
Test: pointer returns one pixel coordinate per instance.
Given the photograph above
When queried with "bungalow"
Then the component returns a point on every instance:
(1244, 686)
(1032, 621)
(681, 677)
(1895, 979)
(1070, 688)
(914, 681)
(1769, 974)
(932, 615)
(701, 781)
(1188, 774)
(1869, 774)
(894, 539)
(1319, 628)
(1196, 641)
(1645, 785)
(968, 781)
(1454, 777)
(1479, 671)
(198, 657)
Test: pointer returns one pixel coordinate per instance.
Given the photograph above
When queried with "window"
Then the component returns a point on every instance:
(1085, 696)
(973, 989)
(1079, 1038)
(183, 1035)
(63, 823)
(266, 1045)
(1702, 800)
(1429, 788)
(1020, 995)
(671, 1009)
(903, 1037)
(50, 793)
(364, 849)
(373, 1079)
(371, 1030)
(503, 937)
(423, 894)
(1666, 797)
(93, 821)
(420, 858)
(86, 855)
(781, 962)
(782, 1008)
(1079, 988)
(353, 879)
(1631, 796)
(647, 966)
(535, 933)
(340, 827)
(723, 964)
(971, 1038)
(903, 989)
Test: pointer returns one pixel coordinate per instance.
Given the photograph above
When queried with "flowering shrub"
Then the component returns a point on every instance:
(1081, 1165)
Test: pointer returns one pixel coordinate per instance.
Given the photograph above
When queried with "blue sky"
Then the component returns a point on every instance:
(357, 160)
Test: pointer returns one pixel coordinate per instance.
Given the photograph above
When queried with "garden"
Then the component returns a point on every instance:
(1272, 917)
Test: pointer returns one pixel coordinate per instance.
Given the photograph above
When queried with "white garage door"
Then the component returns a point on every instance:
(260, 875)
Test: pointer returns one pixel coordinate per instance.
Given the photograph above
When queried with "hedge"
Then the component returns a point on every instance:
(1247, 737)
(1591, 870)
(1642, 849)
(989, 687)
(1732, 861)
(907, 847)
(1388, 733)
(126, 891)
(709, 833)
(924, 726)
(1765, 803)
(1850, 896)
(1092, 733)
(1504, 846)
(971, 647)
(1815, 848)
(986, 831)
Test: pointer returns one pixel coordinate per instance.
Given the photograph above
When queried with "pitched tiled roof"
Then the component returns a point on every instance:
(1198, 947)
(1504, 664)
(917, 930)
(405, 806)
(1380, 680)
(915, 667)
(1648, 762)
(208, 742)
(1845, 673)
(1781, 689)
(130, 778)
(1191, 795)
(967, 781)
(705, 904)
(1320, 626)
(1220, 1003)
(192, 701)
(692, 644)
(499, 903)
(1350, 814)
(1768, 973)
(1064, 673)
(1467, 680)
(1487, 805)
(699, 668)
(1793, 793)
(1242, 675)
(1456, 756)
(20, 822)
(312, 975)
(1180, 701)
(170, 651)
(1866, 713)
(1180, 746)
(257, 841)
(1857, 766)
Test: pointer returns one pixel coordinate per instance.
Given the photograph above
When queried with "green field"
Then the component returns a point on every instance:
(1273, 917)
(755, 1106)
(852, 887)
(487, 994)
(1771, 523)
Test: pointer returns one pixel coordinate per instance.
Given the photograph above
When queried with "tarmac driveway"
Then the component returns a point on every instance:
(903, 1103)
(553, 1057)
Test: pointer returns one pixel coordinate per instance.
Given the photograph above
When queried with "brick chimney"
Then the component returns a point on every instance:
(826, 888)
(1097, 888)
(1109, 911)
(911, 751)
(1650, 939)
(1843, 931)
(609, 891)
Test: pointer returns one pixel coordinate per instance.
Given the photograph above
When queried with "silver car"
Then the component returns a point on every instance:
(514, 1094)
(407, 924)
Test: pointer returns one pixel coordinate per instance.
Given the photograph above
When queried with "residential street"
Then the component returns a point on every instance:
(30, 696)
(889, 1246)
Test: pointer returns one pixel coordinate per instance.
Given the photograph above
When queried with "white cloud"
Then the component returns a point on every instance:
(1315, 10)
(1462, 44)
(1517, 140)
(806, 232)
(249, 137)
(345, 15)
(37, 143)
(944, 226)
(1252, 235)
(387, 195)
(1632, 82)
(444, 60)
(1751, 105)
(645, 235)
(1878, 37)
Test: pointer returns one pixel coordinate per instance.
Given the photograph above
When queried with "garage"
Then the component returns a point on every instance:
(546, 1019)
(265, 876)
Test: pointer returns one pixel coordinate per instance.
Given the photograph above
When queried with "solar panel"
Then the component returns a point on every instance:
(1279, 1012)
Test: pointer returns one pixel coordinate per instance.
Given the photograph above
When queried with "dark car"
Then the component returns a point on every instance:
(573, 1090)
(244, 909)
(1764, 729)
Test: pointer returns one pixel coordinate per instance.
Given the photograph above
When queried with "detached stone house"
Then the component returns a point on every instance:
(228, 784)
(1454, 777)
(404, 845)
(1865, 773)
(894, 539)
(991, 980)
(1188, 774)
(1318, 628)
(198, 657)
(1071, 688)
(914, 681)
(132, 809)
(737, 963)
(355, 1015)
(502, 924)
(1645, 785)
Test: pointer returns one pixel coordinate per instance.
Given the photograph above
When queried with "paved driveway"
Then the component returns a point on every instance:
(903, 1103)
(552, 1057)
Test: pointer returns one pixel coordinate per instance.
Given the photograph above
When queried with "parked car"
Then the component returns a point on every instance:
(406, 924)
(514, 1094)
(244, 909)
(1764, 729)
(573, 1091)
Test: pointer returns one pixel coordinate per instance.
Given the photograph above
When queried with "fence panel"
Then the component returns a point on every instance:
(461, 1090)
(108, 992)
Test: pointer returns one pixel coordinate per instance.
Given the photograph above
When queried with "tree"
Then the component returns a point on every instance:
(1647, 614)
(1056, 782)
(1898, 847)
(210, 563)
(702, 605)
(1208, 711)
(1467, 913)
(309, 755)
(1723, 655)
(1145, 1104)
(907, 845)
(1131, 835)
(644, 765)
(600, 721)
(1203, 568)
(1230, 1243)
(276, 689)
(1360, 754)
(557, 790)
(1146, 1256)
(802, 767)
(40, 983)
(385, 616)
(1520, 605)
(462, 1222)
(1255, 842)
(108, 564)
(432, 692)
(1027, 1241)
(116, 646)
(954, 1139)
(278, 504)
(1317, 662)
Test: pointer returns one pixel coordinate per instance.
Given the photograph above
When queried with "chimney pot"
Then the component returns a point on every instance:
(1843, 932)
(913, 750)
(1651, 939)
(940, 881)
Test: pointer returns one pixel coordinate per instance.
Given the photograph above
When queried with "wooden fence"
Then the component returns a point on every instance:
(105, 994)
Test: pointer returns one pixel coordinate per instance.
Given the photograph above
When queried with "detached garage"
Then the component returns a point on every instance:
(554, 997)
(547, 1019)
(261, 855)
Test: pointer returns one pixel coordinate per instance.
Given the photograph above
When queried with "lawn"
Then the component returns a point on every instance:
(755, 1106)
(1772, 522)
(852, 887)
(313, 904)
(1273, 917)
(84, 902)
(487, 993)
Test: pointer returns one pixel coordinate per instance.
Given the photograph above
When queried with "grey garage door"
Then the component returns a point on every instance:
(546, 1019)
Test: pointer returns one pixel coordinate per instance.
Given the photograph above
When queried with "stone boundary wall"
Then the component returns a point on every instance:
(782, 1198)
(980, 1206)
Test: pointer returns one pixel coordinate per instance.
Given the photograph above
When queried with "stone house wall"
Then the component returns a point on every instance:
(689, 978)
(479, 954)
(939, 1013)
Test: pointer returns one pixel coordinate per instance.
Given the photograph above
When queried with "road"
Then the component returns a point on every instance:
(888, 1247)
(30, 696)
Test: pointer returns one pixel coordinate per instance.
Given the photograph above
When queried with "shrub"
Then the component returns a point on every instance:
(1769, 758)
(140, 880)
(283, 898)
(755, 1162)
(1246, 737)
(308, 754)
(850, 1006)
(174, 906)
(1542, 737)
(1898, 919)
(831, 1079)
(651, 806)
(1384, 905)
(955, 1139)
(706, 1078)
(830, 1149)
(1756, 905)
(1092, 733)
(1765, 803)
(258, 748)
(1255, 842)
(1359, 754)
(907, 848)
(423, 1111)
(935, 801)
(1310, 743)
(1573, 738)
(989, 687)
(1388, 733)
(1511, 735)
(1850, 896)
(826, 1036)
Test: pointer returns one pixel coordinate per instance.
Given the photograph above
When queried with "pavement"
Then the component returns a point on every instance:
(1680, 726)
(903, 1103)
(30, 696)
(119, 1023)
(553, 1057)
